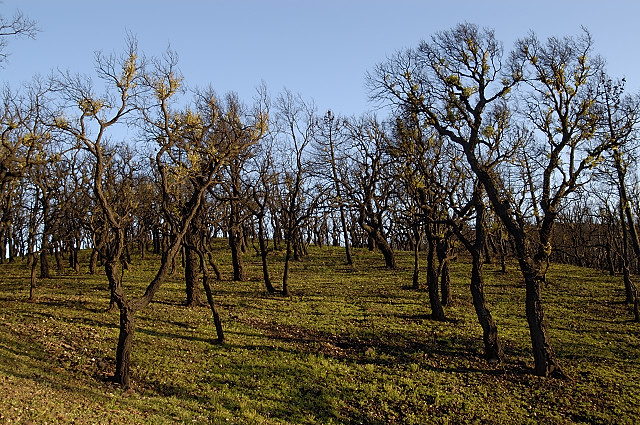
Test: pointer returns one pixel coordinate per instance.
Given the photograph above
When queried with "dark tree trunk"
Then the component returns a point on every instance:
(445, 284)
(437, 312)
(192, 266)
(546, 363)
(214, 266)
(387, 252)
(207, 289)
(93, 261)
(492, 346)
(443, 248)
(235, 243)
(416, 264)
(3, 244)
(34, 279)
(157, 244)
(285, 274)
(625, 207)
(630, 289)
(376, 239)
(143, 248)
(125, 343)
(264, 255)
(45, 269)
(58, 257)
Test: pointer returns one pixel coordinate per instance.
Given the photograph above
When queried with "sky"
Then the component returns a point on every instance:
(319, 49)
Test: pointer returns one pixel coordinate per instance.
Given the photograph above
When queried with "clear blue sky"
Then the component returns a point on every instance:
(320, 49)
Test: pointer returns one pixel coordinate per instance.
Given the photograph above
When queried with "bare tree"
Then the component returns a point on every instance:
(16, 26)
(328, 140)
(367, 185)
(459, 84)
(298, 197)
(190, 151)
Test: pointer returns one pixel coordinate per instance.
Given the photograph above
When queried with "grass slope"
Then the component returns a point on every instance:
(351, 346)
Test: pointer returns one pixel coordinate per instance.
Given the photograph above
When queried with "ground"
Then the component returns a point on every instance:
(353, 345)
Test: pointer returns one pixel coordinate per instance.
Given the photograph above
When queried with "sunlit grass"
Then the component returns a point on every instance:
(352, 345)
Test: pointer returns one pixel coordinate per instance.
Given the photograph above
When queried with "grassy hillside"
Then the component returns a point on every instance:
(352, 345)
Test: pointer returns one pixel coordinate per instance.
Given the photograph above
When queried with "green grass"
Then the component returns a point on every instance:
(351, 346)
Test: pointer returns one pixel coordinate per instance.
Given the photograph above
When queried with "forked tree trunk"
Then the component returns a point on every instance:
(492, 346)
(207, 289)
(387, 251)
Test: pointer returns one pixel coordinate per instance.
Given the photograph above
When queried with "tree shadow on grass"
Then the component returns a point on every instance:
(388, 348)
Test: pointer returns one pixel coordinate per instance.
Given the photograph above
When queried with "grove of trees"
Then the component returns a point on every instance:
(485, 153)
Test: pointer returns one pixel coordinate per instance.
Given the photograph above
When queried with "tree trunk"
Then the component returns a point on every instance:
(207, 289)
(630, 289)
(263, 255)
(285, 274)
(375, 239)
(214, 266)
(34, 280)
(58, 256)
(442, 249)
(416, 259)
(437, 312)
(445, 284)
(125, 343)
(45, 272)
(192, 265)
(345, 232)
(492, 346)
(546, 363)
(93, 261)
(625, 207)
(235, 243)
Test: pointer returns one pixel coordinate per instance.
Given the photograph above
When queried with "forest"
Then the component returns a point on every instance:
(498, 181)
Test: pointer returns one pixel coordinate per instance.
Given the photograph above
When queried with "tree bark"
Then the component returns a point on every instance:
(235, 243)
(285, 274)
(442, 249)
(45, 269)
(93, 261)
(437, 312)
(123, 350)
(416, 258)
(264, 255)
(207, 289)
(192, 266)
(34, 279)
(492, 346)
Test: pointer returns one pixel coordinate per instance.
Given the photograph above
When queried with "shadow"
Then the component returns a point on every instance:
(384, 348)
(159, 334)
